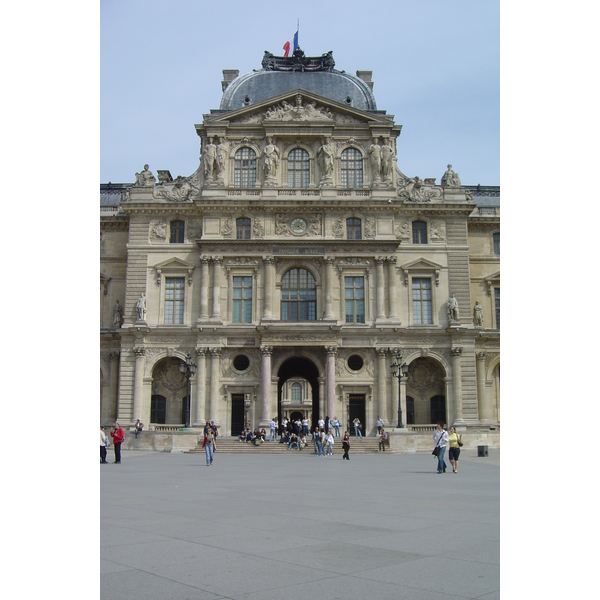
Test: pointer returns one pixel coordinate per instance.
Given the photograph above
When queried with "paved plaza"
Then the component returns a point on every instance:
(292, 526)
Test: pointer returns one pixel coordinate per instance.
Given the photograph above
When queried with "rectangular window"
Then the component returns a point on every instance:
(174, 297)
(496, 240)
(421, 298)
(355, 299)
(242, 299)
(497, 306)
(177, 232)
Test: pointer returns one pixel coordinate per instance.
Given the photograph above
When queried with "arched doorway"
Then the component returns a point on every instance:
(304, 388)
(426, 387)
(169, 393)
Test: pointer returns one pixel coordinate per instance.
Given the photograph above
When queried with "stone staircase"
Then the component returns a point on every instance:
(231, 445)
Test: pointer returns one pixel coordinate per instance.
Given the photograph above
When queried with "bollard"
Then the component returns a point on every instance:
(482, 451)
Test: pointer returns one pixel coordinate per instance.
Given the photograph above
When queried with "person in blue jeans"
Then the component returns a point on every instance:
(322, 442)
(336, 426)
(273, 431)
(357, 426)
(440, 437)
(207, 444)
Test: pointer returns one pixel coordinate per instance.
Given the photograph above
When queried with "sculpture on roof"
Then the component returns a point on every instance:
(450, 179)
(298, 62)
(145, 177)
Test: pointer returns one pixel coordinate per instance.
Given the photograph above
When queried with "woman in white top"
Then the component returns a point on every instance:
(440, 437)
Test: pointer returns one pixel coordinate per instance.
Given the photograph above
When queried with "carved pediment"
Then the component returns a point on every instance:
(422, 266)
(173, 267)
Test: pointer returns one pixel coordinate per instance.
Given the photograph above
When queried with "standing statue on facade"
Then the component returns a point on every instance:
(452, 307)
(326, 157)
(145, 177)
(220, 161)
(450, 179)
(117, 315)
(271, 160)
(387, 160)
(141, 307)
(375, 152)
(478, 314)
(209, 157)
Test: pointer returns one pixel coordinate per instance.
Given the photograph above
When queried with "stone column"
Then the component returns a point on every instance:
(266, 352)
(402, 403)
(114, 384)
(456, 354)
(380, 291)
(392, 288)
(214, 384)
(328, 288)
(381, 383)
(269, 286)
(330, 352)
(322, 399)
(216, 309)
(449, 398)
(486, 410)
(204, 289)
(138, 383)
(199, 407)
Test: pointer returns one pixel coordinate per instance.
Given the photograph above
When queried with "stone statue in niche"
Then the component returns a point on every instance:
(325, 156)
(388, 160)
(271, 161)
(452, 308)
(221, 157)
(478, 314)
(209, 157)
(375, 152)
(117, 314)
(450, 179)
(140, 306)
(145, 177)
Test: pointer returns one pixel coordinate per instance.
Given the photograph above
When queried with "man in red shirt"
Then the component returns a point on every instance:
(117, 435)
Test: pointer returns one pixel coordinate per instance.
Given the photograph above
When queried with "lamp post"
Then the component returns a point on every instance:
(399, 370)
(188, 370)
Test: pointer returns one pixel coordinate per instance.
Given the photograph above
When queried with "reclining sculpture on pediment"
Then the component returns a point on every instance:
(414, 189)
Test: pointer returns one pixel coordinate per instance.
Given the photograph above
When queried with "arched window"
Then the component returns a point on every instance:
(296, 393)
(177, 232)
(298, 169)
(242, 229)
(244, 172)
(352, 168)
(496, 241)
(298, 296)
(353, 229)
(419, 231)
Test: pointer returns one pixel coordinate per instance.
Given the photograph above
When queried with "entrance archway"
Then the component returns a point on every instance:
(426, 388)
(169, 393)
(302, 369)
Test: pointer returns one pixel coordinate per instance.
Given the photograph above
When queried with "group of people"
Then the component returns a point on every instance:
(118, 435)
(442, 439)
(255, 437)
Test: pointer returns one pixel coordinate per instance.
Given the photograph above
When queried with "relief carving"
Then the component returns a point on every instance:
(158, 230)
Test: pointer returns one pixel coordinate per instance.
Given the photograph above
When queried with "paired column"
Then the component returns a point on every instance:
(216, 310)
(330, 352)
(266, 352)
(392, 288)
(204, 288)
(269, 286)
(380, 304)
(215, 354)
(486, 410)
(138, 383)
(456, 354)
(381, 382)
(200, 399)
(328, 288)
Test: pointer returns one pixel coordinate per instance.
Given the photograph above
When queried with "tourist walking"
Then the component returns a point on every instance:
(322, 442)
(357, 428)
(455, 442)
(315, 439)
(440, 437)
(207, 444)
(118, 435)
(346, 445)
(382, 435)
(103, 442)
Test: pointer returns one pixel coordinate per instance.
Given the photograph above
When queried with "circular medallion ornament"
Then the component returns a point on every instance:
(298, 226)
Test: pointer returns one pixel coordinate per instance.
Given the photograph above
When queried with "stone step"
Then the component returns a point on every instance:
(233, 446)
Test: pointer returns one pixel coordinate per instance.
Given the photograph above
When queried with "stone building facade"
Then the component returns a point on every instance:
(295, 266)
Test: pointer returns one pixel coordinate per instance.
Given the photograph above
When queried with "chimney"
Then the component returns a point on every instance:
(228, 76)
(365, 76)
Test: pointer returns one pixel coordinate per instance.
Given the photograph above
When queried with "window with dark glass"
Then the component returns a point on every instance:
(177, 232)
(352, 168)
(419, 231)
(244, 170)
(242, 299)
(421, 298)
(242, 229)
(496, 239)
(174, 298)
(298, 169)
(298, 296)
(355, 299)
(353, 229)
(497, 306)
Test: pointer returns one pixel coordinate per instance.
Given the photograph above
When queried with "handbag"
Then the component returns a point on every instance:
(436, 450)
(459, 441)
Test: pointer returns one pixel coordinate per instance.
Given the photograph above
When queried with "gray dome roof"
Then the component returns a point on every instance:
(263, 84)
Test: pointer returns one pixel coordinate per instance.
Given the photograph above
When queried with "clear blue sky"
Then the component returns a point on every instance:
(435, 63)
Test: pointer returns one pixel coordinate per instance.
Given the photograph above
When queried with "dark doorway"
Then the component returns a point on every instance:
(410, 410)
(300, 367)
(158, 409)
(185, 411)
(438, 409)
(237, 413)
(356, 408)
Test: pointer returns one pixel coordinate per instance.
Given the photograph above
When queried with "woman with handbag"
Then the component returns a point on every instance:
(454, 452)
(346, 445)
(440, 437)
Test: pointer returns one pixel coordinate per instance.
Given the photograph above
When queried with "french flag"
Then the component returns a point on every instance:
(286, 46)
